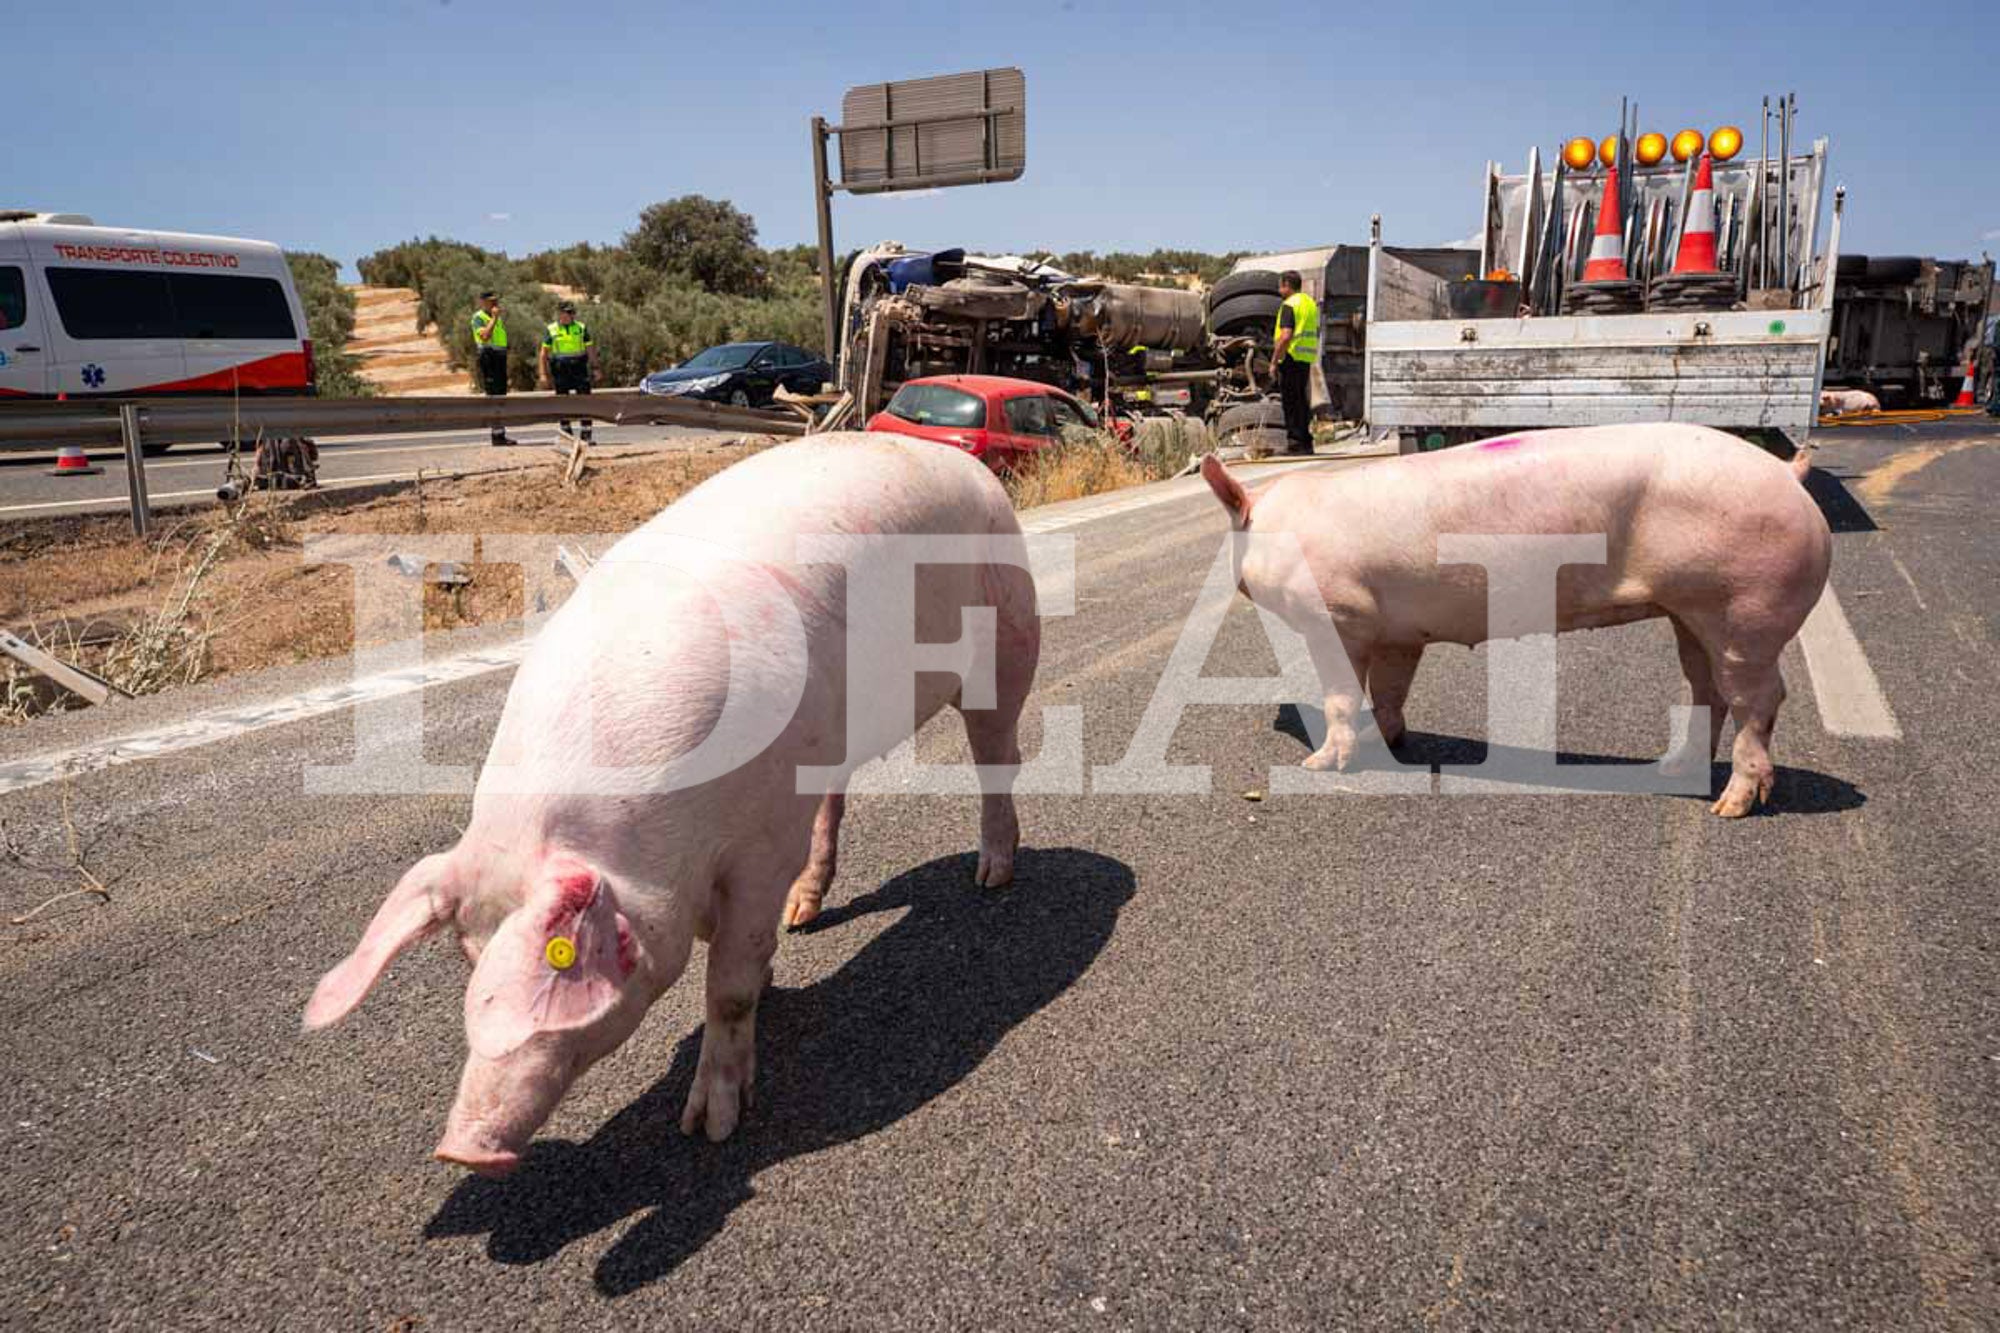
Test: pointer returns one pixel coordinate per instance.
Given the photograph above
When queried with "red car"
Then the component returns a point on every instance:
(1002, 422)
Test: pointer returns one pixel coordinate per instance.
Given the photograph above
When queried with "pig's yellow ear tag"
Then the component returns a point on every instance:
(561, 953)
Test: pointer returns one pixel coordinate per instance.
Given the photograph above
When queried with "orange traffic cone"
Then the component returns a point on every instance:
(1697, 252)
(1969, 383)
(71, 462)
(1607, 247)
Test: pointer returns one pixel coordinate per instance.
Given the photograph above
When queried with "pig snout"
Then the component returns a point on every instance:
(501, 1103)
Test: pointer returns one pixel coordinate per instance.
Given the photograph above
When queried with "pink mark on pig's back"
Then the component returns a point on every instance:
(1504, 442)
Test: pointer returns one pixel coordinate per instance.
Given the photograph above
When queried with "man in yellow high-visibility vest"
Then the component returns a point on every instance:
(489, 349)
(568, 358)
(1294, 348)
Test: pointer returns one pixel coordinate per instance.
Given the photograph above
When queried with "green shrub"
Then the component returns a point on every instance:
(708, 242)
(405, 265)
(329, 310)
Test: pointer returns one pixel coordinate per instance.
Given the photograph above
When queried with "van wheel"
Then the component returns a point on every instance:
(153, 450)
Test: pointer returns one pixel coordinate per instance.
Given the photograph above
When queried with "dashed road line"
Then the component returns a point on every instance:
(1850, 699)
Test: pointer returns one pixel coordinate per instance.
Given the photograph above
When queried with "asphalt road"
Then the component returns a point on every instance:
(188, 474)
(1505, 1061)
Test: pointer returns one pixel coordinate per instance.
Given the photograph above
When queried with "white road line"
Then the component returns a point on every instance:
(469, 442)
(1903, 569)
(225, 724)
(1850, 699)
(334, 484)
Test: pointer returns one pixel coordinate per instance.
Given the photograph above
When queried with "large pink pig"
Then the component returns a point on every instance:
(1700, 527)
(577, 892)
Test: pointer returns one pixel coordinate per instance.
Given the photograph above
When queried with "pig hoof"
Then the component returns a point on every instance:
(714, 1105)
(995, 869)
(1736, 801)
(800, 911)
(494, 1165)
(1321, 761)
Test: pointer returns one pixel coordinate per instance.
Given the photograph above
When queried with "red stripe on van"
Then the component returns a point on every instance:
(286, 370)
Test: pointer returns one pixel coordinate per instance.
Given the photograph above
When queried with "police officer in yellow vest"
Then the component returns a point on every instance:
(568, 358)
(489, 348)
(1295, 349)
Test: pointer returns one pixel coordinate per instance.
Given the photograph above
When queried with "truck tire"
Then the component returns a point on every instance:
(1261, 306)
(1250, 416)
(1257, 280)
(1259, 427)
(1894, 268)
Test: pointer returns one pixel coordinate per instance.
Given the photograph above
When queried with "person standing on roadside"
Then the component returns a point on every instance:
(569, 359)
(1295, 348)
(489, 345)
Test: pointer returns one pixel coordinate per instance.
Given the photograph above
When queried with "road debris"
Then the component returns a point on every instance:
(446, 573)
(84, 684)
(11, 852)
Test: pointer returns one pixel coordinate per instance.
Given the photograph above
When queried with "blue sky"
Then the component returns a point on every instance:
(344, 127)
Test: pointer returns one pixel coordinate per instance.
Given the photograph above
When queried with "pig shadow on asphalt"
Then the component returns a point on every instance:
(1800, 791)
(913, 1013)
(1843, 512)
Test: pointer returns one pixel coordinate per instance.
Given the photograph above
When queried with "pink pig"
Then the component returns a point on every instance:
(1848, 400)
(577, 902)
(1701, 527)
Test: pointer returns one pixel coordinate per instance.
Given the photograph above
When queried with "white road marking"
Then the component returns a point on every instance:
(469, 442)
(226, 724)
(1850, 699)
(333, 485)
(1902, 569)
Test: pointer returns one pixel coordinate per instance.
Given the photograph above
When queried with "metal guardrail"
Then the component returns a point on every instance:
(96, 421)
(138, 423)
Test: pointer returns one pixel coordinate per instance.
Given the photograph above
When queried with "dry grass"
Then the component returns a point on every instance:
(226, 590)
(1090, 462)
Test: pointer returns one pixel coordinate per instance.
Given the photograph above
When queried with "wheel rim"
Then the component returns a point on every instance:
(738, 398)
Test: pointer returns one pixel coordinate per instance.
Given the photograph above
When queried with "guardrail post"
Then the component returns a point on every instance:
(135, 468)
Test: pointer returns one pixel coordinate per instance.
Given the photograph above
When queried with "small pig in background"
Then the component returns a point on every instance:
(1701, 527)
(578, 906)
(1844, 401)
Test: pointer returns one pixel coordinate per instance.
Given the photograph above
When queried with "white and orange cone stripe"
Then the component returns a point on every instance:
(1697, 252)
(71, 461)
(1607, 246)
(1969, 383)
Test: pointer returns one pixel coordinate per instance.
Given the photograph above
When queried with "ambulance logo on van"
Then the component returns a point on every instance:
(93, 376)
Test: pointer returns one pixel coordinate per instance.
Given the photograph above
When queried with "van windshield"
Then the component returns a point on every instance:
(936, 405)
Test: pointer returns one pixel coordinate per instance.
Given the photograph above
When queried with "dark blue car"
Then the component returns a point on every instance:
(742, 374)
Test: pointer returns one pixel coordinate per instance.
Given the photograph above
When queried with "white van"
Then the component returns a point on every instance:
(96, 312)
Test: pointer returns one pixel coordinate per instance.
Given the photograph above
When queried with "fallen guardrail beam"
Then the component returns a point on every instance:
(47, 425)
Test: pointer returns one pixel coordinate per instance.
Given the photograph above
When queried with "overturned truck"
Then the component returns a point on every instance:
(1130, 350)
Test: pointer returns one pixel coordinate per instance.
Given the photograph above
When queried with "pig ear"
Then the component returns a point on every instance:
(559, 962)
(419, 904)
